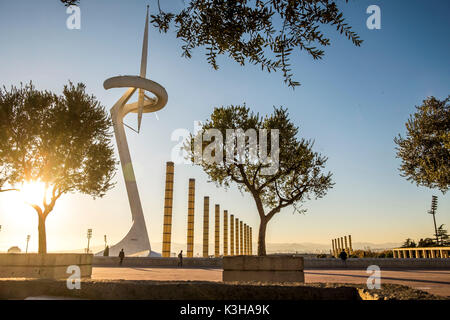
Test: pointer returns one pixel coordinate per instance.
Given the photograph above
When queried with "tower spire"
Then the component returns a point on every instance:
(143, 71)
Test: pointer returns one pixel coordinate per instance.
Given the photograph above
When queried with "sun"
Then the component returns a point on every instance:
(33, 192)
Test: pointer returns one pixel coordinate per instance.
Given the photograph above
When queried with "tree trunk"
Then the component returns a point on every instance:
(42, 235)
(262, 238)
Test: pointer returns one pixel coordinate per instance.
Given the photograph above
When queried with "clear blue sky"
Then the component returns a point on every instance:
(352, 103)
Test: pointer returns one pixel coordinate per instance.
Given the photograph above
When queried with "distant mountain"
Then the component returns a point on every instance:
(304, 247)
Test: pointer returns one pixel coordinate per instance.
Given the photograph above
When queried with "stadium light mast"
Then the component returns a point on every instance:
(89, 236)
(434, 200)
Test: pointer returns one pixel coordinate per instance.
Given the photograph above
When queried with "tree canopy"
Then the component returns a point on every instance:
(264, 33)
(69, 3)
(291, 174)
(61, 141)
(425, 151)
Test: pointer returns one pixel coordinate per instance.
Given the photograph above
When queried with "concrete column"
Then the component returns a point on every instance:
(231, 235)
(333, 249)
(432, 254)
(217, 233)
(350, 243)
(394, 254)
(440, 253)
(346, 246)
(236, 236)
(205, 227)
(251, 242)
(190, 226)
(411, 254)
(225, 232)
(241, 237)
(245, 240)
(248, 240)
(424, 253)
(168, 201)
(342, 243)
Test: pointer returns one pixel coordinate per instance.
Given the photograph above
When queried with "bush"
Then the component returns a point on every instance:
(372, 254)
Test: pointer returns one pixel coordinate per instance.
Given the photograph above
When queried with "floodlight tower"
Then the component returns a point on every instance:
(89, 236)
(28, 240)
(434, 200)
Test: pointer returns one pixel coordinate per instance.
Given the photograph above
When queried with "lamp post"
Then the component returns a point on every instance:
(89, 236)
(433, 212)
(28, 240)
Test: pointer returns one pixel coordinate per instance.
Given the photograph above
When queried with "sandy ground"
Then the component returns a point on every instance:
(433, 281)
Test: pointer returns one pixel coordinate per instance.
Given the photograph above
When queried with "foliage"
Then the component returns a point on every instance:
(442, 235)
(69, 3)
(298, 178)
(62, 141)
(425, 152)
(409, 243)
(427, 242)
(264, 33)
(442, 239)
(372, 254)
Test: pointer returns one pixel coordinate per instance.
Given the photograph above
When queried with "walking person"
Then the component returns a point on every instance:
(343, 256)
(121, 256)
(180, 259)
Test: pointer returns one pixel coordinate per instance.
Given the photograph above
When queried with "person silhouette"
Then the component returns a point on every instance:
(180, 259)
(343, 255)
(121, 256)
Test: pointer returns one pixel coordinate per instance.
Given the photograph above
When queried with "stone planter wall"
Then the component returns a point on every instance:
(156, 262)
(268, 269)
(383, 263)
(44, 266)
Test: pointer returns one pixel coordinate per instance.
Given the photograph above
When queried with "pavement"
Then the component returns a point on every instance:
(436, 282)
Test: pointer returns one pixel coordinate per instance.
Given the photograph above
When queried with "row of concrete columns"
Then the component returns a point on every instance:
(431, 252)
(340, 244)
(236, 234)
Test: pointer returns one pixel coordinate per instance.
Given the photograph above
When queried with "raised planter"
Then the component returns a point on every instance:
(267, 269)
(44, 266)
(156, 262)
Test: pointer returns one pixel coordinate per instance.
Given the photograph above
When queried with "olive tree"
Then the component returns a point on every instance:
(286, 174)
(63, 142)
(425, 151)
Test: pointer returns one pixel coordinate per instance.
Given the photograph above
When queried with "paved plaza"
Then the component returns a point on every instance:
(433, 281)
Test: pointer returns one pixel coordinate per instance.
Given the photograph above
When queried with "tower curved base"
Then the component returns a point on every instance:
(135, 242)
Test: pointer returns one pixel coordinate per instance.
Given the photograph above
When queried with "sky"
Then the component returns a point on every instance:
(352, 104)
